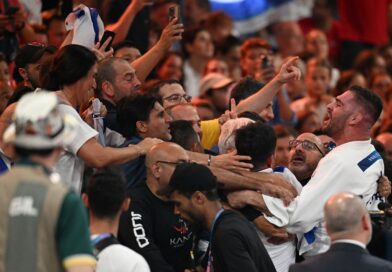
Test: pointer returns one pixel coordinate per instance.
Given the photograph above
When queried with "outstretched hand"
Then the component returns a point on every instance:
(170, 34)
(384, 186)
(286, 195)
(232, 161)
(99, 50)
(229, 114)
(146, 144)
(288, 71)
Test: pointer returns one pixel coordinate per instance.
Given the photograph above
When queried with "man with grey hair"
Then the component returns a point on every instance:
(349, 227)
(116, 79)
(226, 141)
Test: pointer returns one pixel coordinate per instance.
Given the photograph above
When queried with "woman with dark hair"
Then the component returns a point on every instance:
(72, 76)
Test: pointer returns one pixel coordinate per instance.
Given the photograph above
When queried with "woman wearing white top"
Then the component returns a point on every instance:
(72, 75)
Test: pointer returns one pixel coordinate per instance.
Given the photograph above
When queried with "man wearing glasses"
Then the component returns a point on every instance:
(305, 153)
(150, 227)
(353, 166)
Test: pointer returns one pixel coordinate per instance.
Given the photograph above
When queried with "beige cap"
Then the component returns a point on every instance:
(214, 81)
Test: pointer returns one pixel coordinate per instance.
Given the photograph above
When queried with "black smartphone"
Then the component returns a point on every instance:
(105, 36)
(12, 10)
(265, 63)
(174, 13)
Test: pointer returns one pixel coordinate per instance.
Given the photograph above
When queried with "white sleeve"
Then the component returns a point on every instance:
(83, 131)
(331, 176)
(281, 213)
(118, 258)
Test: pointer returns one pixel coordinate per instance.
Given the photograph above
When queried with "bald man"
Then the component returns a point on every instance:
(386, 140)
(305, 153)
(150, 227)
(186, 112)
(349, 227)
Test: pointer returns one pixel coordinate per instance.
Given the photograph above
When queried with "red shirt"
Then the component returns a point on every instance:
(364, 20)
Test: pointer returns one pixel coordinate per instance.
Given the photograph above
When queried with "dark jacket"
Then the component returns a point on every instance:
(343, 257)
(237, 247)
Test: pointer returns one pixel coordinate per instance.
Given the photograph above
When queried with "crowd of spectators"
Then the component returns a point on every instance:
(193, 148)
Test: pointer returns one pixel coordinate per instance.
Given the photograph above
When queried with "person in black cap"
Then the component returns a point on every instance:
(234, 244)
(28, 62)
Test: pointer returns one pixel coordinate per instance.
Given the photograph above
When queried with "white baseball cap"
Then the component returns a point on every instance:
(37, 123)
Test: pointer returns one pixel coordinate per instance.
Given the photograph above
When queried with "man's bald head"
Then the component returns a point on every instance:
(346, 217)
(161, 161)
(165, 151)
(187, 112)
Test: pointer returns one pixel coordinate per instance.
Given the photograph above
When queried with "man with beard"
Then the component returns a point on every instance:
(116, 79)
(353, 166)
(234, 244)
(141, 116)
(305, 153)
(149, 226)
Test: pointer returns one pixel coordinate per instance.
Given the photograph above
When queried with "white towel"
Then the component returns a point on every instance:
(87, 25)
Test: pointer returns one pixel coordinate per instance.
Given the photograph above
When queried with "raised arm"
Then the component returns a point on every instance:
(98, 156)
(121, 27)
(170, 34)
(266, 183)
(258, 101)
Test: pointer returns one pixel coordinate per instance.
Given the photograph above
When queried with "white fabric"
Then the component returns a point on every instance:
(282, 255)
(83, 27)
(349, 241)
(118, 258)
(70, 166)
(337, 172)
(191, 80)
(113, 138)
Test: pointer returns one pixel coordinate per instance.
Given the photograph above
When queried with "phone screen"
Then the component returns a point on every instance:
(105, 36)
(173, 13)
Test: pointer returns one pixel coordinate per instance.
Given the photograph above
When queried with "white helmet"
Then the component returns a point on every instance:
(37, 123)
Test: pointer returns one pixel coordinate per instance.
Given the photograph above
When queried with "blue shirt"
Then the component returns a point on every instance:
(134, 170)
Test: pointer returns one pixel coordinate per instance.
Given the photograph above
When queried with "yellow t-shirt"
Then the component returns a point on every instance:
(211, 132)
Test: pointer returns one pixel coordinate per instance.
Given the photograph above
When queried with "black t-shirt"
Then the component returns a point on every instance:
(237, 247)
(151, 228)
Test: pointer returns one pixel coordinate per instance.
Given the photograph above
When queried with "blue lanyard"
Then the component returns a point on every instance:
(218, 214)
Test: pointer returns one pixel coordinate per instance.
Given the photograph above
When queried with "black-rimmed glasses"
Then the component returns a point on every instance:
(176, 98)
(307, 145)
(173, 163)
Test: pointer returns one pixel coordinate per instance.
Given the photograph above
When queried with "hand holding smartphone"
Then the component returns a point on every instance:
(105, 36)
(174, 13)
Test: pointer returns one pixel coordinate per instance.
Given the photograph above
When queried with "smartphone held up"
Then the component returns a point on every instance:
(106, 36)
